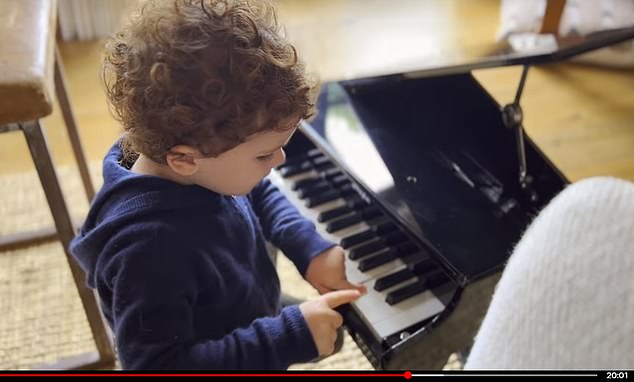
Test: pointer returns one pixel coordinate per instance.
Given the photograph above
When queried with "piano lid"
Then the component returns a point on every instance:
(443, 166)
(429, 144)
(519, 49)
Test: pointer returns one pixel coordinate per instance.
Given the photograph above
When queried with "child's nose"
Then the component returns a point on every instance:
(280, 157)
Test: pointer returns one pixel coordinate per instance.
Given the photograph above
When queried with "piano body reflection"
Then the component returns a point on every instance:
(416, 176)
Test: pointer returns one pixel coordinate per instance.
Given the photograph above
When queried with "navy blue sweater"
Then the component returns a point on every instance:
(184, 277)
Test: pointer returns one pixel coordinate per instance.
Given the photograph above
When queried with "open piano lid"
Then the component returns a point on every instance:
(436, 58)
(429, 145)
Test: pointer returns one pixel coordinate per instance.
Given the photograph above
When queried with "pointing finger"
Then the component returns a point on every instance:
(345, 284)
(340, 297)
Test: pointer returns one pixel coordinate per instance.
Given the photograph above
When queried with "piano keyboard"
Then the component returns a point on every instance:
(399, 275)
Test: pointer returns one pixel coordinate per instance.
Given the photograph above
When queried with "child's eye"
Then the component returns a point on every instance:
(265, 158)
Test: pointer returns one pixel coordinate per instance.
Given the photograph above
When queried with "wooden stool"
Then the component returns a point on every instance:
(30, 68)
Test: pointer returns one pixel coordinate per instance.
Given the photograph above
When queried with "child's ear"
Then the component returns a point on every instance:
(182, 160)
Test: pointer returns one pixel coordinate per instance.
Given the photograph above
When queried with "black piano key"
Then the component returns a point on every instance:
(295, 169)
(382, 283)
(314, 153)
(436, 279)
(384, 227)
(346, 190)
(330, 173)
(401, 250)
(352, 203)
(318, 183)
(364, 214)
(411, 261)
(322, 162)
(339, 180)
(410, 290)
(374, 231)
(394, 238)
(357, 238)
(320, 199)
(333, 213)
(306, 182)
(405, 248)
(313, 190)
(355, 202)
(366, 249)
(420, 268)
(370, 212)
(377, 260)
(344, 222)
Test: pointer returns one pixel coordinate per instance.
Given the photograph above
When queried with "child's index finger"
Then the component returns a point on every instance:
(340, 297)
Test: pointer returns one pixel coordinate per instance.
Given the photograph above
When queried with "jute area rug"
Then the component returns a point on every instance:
(41, 318)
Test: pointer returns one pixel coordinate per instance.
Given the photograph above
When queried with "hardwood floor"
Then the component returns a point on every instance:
(96, 126)
(582, 117)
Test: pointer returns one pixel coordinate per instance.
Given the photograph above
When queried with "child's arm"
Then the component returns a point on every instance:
(285, 227)
(153, 284)
(319, 261)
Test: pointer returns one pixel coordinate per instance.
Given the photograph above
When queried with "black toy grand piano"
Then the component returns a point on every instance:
(428, 184)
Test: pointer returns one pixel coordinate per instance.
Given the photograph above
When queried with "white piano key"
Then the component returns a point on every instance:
(382, 318)
(298, 177)
(387, 319)
(312, 213)
(352, 271)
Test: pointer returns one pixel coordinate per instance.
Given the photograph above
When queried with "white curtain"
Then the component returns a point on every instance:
(92, 19)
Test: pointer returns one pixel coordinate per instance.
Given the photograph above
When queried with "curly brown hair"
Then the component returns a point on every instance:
(203, 73)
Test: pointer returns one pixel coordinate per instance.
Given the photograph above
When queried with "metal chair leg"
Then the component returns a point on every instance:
(65, 230)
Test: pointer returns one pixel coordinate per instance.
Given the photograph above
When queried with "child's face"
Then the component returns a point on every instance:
(237, 171)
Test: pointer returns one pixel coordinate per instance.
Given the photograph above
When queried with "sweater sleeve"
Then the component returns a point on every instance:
(285, 227)
(153, 292)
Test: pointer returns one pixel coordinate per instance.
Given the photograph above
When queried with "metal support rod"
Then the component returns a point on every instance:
(520, 87)
(512, 116)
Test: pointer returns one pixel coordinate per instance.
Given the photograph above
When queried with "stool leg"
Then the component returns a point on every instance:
(71, 125)
(48, 177)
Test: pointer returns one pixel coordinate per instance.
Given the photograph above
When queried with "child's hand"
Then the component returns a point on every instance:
(323, 321)
(326, 272)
